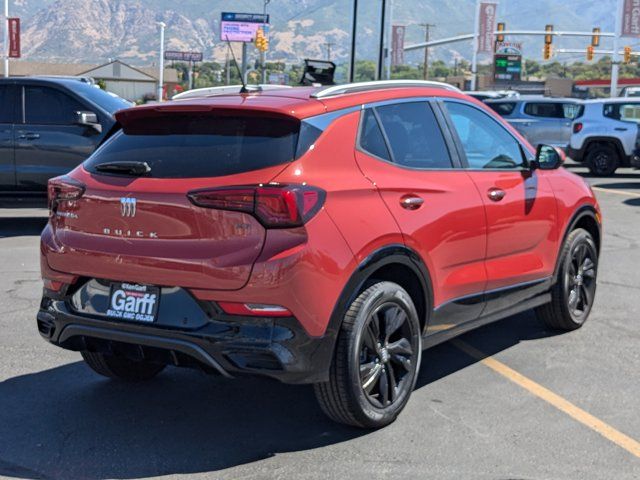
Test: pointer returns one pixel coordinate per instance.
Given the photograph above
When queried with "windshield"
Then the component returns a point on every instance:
(108, 101)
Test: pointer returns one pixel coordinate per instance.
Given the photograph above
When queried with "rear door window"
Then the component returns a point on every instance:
(191, 145)
(414, 136)
(544, 109)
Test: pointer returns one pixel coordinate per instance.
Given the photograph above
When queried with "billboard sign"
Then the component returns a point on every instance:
(487, 26)
(183, 56)
(631, 18)
(241, 27)
(14, 37)
(397, 45)
(507, 62)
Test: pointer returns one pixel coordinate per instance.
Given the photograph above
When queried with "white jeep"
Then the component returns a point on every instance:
(605, 135)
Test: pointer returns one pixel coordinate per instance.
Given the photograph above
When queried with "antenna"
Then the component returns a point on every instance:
(244, 85)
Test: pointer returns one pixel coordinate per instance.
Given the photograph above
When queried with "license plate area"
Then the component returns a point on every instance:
(133, 302)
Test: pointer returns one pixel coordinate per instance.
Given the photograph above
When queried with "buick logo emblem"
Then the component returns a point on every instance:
(128, 207)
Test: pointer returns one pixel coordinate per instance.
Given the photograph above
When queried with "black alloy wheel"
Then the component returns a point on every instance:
(386, 355)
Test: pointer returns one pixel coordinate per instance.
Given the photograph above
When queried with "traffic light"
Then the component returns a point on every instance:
(590, 52)
(595, 39)
(548, 51)
(548, 39)
(261, 41)
(627, 54)
(500, 28)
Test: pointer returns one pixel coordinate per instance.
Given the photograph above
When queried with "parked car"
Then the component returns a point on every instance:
(49, 125)
(484, 95)
(630, 92)
(541, 120)
(606, 135)
(312, 235)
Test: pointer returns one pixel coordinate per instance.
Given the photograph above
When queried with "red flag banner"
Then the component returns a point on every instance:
(397, 45)
(14, 37)
(487, 26)
(631, 18)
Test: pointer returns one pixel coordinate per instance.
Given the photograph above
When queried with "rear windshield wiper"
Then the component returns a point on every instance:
(131, 168)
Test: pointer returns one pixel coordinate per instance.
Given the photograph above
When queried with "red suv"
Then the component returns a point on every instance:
(312, 235)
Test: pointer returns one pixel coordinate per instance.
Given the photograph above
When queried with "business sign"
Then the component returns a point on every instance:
(183, 56)
(279, 78)
(241, 27)
(14, 37)
(631, 18)
(487, 26)
(507, 62)
(397, 45)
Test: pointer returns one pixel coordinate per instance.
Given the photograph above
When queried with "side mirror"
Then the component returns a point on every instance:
(547, 158)
(88, 119)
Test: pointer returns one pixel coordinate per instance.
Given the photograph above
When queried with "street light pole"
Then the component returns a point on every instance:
(354, 27)
(161, 63)
(476, 41)
(615, 59)
(383, 13)
(6, 38)
(263, 55)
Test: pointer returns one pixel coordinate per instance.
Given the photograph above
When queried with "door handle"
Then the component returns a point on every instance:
(411, 202)
(29, 136)
(496, 194)
(621, 129)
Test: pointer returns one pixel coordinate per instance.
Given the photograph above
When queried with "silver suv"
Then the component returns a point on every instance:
(605, 135)
(541, 120)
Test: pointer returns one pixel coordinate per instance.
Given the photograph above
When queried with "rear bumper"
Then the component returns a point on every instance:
(227, 345)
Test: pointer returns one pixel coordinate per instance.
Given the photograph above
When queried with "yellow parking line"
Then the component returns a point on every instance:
(617, 192)
(607, 431)
(438, 328)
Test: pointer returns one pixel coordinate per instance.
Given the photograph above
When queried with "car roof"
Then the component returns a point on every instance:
(303, 102)
(536, 98)
(613, 100)
(61, 80)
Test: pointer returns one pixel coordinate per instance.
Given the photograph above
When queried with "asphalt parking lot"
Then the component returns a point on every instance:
(512, 400)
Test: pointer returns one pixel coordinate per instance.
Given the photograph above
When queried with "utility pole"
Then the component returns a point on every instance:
(6, 38)
(615, 59)
(389, 39)
(354, 28)
(427, 34)
(162, 26)
(329, 45)
(383, 14)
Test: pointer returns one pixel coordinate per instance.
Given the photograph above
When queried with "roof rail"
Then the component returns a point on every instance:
(379, 85)
(224, 90)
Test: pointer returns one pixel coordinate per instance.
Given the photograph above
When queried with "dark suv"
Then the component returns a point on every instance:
(311, 235)
(48, 126)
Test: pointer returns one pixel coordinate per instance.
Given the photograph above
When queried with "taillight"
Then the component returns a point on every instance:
(62, 189)
(577, 127)
(275, 206)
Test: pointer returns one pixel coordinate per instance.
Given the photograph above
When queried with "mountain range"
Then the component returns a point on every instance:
(95, 31)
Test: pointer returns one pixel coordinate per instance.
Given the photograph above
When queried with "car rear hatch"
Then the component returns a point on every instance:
(127, 215)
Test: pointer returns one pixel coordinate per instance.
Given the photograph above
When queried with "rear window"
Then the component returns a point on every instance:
(502, 108)
(627, 112)
(189, 146)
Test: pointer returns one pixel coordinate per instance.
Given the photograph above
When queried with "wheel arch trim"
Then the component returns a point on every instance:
(580, 213)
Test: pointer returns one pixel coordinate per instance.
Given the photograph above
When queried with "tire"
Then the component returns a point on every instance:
(574, 289)
(380, 337)
(121, 368)
(603, 160)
